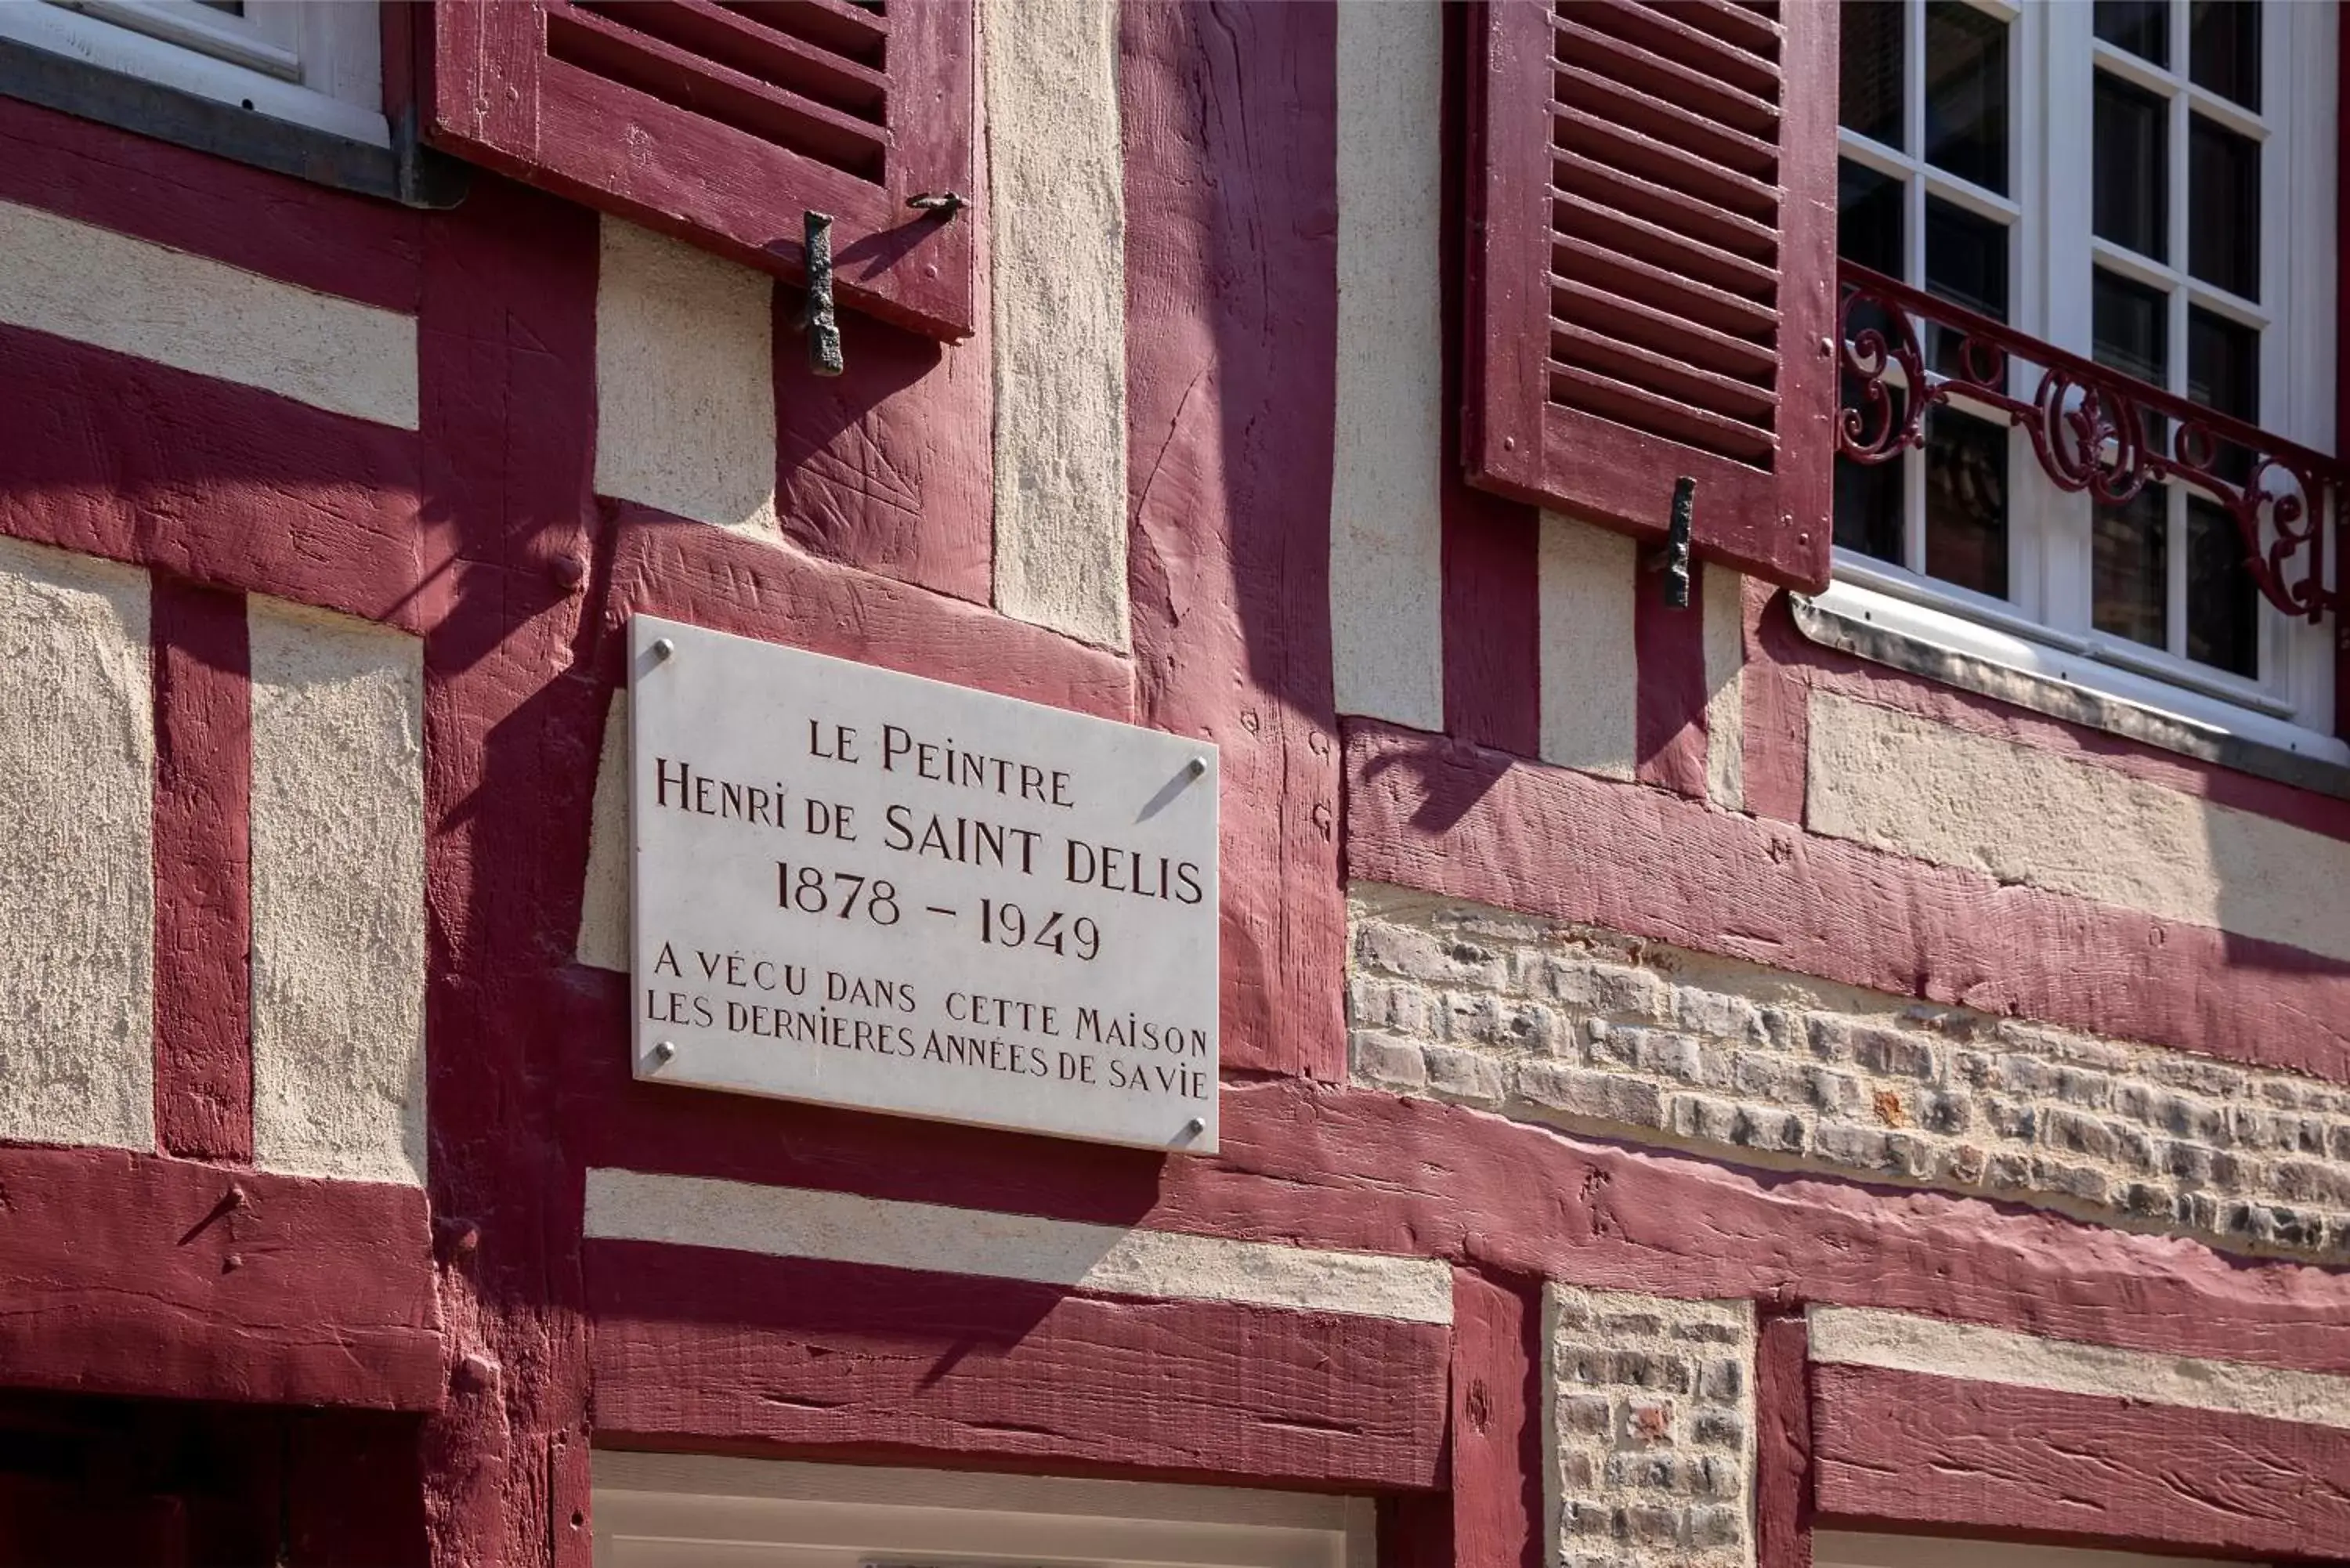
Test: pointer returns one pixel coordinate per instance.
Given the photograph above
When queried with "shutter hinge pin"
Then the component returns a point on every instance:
(822, 320)
(1673, 559)
(944, 204)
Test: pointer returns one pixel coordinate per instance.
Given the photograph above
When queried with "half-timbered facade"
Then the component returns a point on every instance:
(1766, 583)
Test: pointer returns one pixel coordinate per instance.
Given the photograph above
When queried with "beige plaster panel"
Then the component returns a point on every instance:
(840, 1227)
(1590, 668)
(1056, 169)
(685, 381)
(1724, 608)
(77, 851)
(1387, 578)
(95, 285)
(1865, 1336)
(604, 905)
(2023, 815)
(337, 896)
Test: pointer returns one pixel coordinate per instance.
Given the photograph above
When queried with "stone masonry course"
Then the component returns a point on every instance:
(1649, 1443)
(1593, 1030)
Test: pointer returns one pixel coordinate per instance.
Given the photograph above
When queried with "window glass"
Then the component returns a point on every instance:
(2223, 372)
(2223, 364)
(2130, 137)
(1966, 258)
(1868, 217)
(2223, 49)
(1966, 502)
(1869, 496)
(1869, 97)
(2130, 329)
(2223, 208)
(2141, 26)
(1868, 231)
(2130, 570)
(2130, 326)
(1966, 263)
(2222, 601)
(1965, 93)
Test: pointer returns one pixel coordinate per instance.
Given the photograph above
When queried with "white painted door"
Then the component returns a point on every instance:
(667, 1510)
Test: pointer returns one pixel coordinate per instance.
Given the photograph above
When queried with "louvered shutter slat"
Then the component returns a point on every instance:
(1639, 240)
(1618, 145)
(834, 76)
(1606, 186)
(1673, 294)
(1580, 305)
(1651, 265)
(1639, 410)
(846, 28)
(577, 35)
(1741, 398)
(1667, 80)
(1724, 145)
(1662, 30)
(725, 123)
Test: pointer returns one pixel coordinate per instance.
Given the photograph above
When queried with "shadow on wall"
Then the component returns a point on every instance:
(86, 1479)
(874, 464)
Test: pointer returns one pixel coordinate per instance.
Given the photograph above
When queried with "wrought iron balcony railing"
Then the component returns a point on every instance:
(2095, 428)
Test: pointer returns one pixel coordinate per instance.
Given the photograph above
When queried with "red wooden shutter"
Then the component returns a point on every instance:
(1652, 267)
(724, 123)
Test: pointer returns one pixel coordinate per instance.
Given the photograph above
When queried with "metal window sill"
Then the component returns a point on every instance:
(401, 172)
(2070, 684)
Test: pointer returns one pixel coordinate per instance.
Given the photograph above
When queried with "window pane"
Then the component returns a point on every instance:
(2222, 603)
(2223, 207)
(1868, 231)
(1966, 258)
(2129, 569)
(1966, 263)
(2129, 327)
(1868, 494)
(1869, 88)
(1868, 217)
(2223, 48)
(2131, 206)
(1965, 93)
(2141, 26)
(2223, 365)
(1966, 502)
(2223, 372)
(1868, 507)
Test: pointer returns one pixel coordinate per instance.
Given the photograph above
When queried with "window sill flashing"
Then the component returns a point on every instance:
(402, 172)
(1889, 630)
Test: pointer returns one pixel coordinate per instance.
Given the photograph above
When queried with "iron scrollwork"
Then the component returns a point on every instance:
(2095, 430)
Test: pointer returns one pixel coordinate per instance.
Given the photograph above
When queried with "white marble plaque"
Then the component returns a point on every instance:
(865, 889)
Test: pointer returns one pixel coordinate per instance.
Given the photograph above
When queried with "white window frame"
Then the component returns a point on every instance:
(657, 1511)
(315, 63)
(2044, 627)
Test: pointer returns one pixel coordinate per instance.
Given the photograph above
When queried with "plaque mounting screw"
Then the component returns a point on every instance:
(664, 1050)
(1196, 1125)
(663, 648)
(1199, 766)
